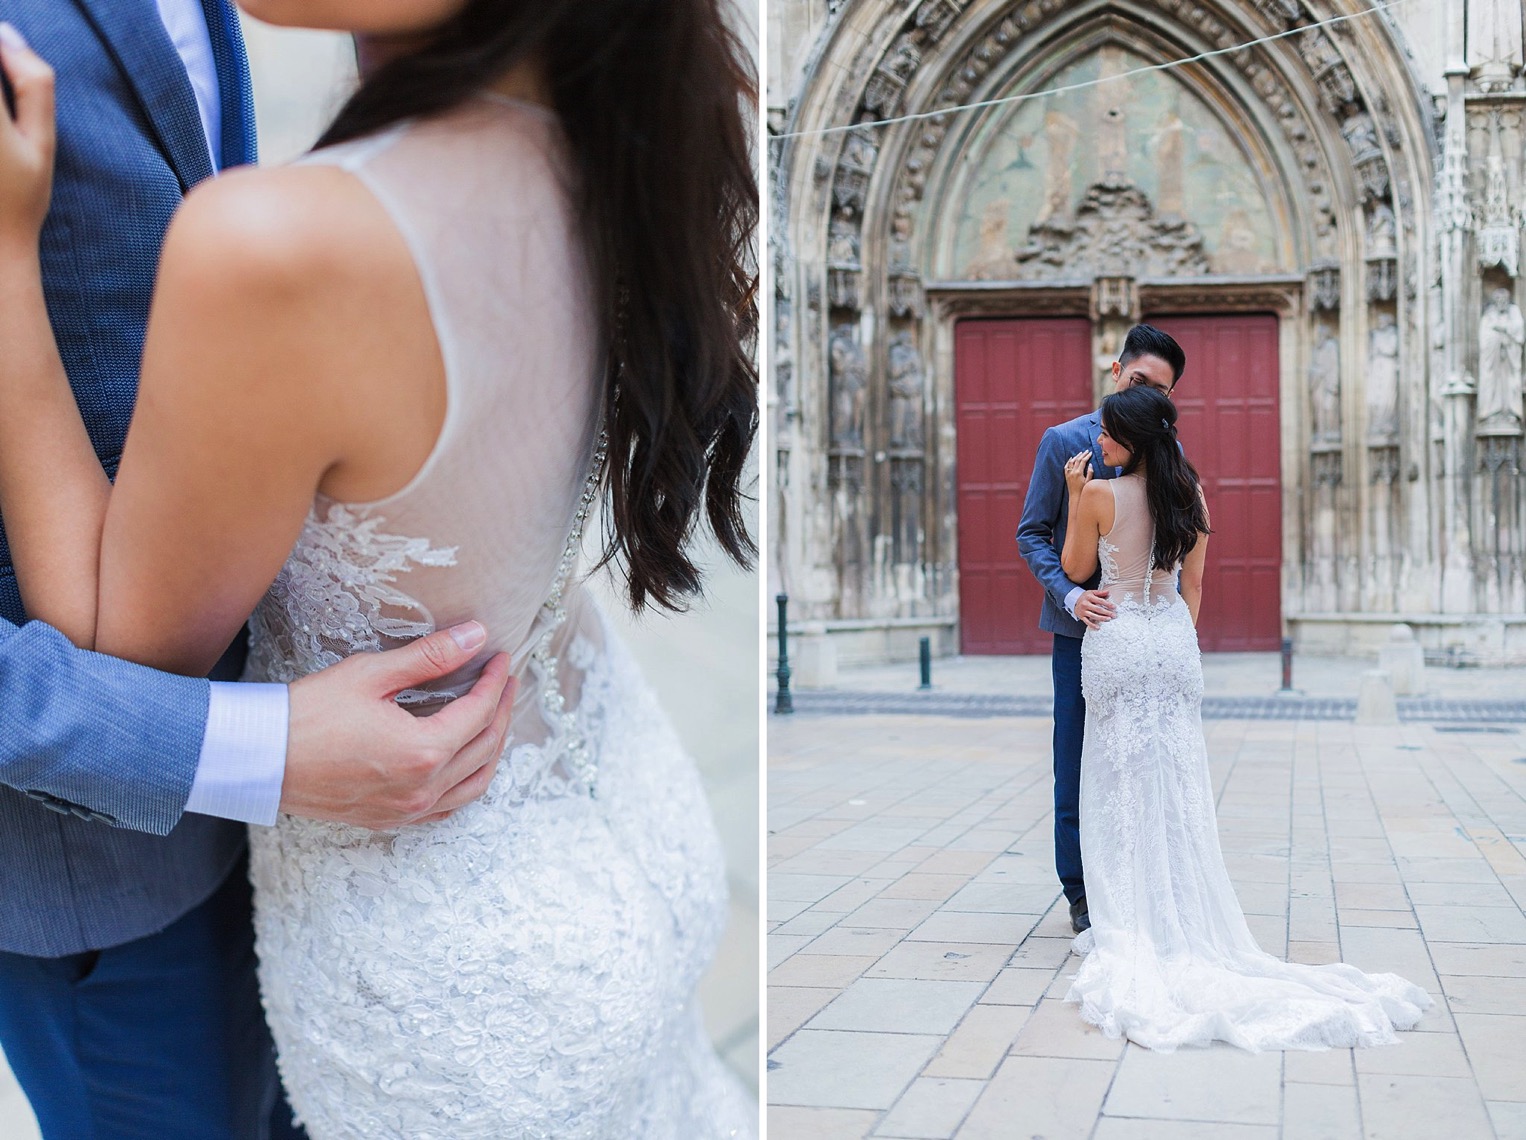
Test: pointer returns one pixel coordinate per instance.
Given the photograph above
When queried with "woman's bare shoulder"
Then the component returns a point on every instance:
(283, 231)
(1095, 492)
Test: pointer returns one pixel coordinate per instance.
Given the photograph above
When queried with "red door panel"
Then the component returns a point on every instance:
(1230, 429)
(1013, 379)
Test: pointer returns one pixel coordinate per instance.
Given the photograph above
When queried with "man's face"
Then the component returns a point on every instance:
(1151, 371)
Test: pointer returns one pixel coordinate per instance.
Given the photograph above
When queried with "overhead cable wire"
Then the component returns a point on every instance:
(1082, 85)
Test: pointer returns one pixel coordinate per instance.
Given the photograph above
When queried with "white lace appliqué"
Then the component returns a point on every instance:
(338, 595)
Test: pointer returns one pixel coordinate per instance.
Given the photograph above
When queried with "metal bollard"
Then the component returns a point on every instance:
(783, 702)
(1287, 665)
(926, 651)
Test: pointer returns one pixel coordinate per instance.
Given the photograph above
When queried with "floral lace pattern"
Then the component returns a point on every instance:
(337, 595)
(527, 967)
(523, 968)
(1169, 959)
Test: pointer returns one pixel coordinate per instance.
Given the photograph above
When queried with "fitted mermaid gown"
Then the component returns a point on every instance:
(527, 967)
(1169, 959)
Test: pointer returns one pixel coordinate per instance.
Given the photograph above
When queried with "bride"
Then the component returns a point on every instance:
(383, 390)
(1169, 959)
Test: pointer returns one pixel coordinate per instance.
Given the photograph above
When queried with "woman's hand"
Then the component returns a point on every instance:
(1078, 472)
(26, 145)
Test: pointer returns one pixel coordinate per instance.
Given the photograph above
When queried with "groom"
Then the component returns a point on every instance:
(1149, 357)
(128, 1002)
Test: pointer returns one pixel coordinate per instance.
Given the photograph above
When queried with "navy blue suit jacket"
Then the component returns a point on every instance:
(1046, 514)
(86, 741)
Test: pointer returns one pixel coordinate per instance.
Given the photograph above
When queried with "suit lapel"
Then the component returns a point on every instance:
(1093, 426)
(136, 36)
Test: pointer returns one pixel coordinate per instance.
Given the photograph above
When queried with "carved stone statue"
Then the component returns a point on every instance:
(842, 242)
(1382, 231)
(1325, 386)
(905, 392)
(1383, 381)
(1501, 334)
(1361, 135)
(849, 374)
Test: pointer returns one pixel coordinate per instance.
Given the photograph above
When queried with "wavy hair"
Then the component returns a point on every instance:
(650, 96)
(1144, 421)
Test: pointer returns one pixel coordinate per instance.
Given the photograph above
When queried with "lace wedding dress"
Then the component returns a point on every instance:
(527, 967)
(1169, 959)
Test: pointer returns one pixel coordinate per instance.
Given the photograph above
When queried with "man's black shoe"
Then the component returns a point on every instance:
(1079, 919)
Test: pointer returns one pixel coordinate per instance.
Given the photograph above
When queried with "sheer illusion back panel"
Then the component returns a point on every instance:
(485, 201)
(1125, 550)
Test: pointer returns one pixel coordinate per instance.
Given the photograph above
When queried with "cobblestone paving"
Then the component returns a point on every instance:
(919, 949)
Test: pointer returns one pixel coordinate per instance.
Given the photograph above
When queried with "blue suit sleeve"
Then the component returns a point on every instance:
(1042, 511)
(95, 736)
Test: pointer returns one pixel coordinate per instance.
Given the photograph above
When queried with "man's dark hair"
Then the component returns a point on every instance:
(1147, 340)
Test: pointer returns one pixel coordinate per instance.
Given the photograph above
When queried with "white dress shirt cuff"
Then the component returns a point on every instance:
(243, 755)
(1071, 599)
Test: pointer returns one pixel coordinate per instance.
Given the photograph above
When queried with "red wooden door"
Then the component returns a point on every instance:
(1012, 379)
(1230, 429)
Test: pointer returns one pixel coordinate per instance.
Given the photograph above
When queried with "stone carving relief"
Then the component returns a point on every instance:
(934, 16)
(976, 63)
(1325, 286)
(1281, 13)
(1032, 169)
(1383, 381)
(1501, 336)
(1336, 87)
(854, 169)
(905, 382)
(1366, 153)
(1114, 233)
(1382, 232)
(849, 377)
(1499, 234)
(1325, 386)
(843, 265)
(1382, 254)
(882, 94)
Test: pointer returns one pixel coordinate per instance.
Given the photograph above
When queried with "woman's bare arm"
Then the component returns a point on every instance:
(1085, 526)
(265, 354)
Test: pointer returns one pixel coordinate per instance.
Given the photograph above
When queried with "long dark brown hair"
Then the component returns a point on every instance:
(1144, 421)
(650, 95)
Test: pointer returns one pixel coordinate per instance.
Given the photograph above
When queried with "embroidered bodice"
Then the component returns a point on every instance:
(489, 527)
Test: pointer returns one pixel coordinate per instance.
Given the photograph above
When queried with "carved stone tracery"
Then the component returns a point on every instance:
(1114, 232)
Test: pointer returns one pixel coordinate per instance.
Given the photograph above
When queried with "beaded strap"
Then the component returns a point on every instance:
(565, 728)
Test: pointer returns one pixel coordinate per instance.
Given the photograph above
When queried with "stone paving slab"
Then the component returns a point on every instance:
(1400, 848)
